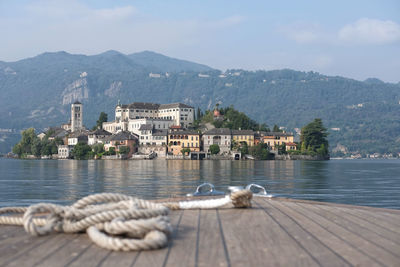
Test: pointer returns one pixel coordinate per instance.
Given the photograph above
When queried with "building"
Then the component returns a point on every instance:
(274, 139)
(180, 139)
(97, 136)
(156, 123)
(64, 152)
(218, 136)
(291, 146)
(76, 116)
(120, 139)
(77, 137)
(246, 136)
(153, 140)
(171, 114)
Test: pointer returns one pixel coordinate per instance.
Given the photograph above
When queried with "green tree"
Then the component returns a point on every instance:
(99, 123)
(244, 148)
(28, 141)
(276, 129)
(124, 150)
(185, 151)
(214, 149)
(260, 151)
(314, 138)
(98, 148)
(81, 151)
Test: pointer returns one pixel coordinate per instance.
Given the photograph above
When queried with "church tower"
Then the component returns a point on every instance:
(76, 116)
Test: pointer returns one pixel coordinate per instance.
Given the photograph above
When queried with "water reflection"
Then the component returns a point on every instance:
(374, 183)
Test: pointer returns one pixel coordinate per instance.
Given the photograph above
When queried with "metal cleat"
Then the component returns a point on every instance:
(201, 192)
(258, 190)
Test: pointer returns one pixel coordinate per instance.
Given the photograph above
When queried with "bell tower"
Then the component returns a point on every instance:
(76, 116)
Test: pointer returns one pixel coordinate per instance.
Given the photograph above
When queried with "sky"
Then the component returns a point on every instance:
(350, 38)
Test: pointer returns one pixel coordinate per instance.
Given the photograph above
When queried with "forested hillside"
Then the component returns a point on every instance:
(37, 92)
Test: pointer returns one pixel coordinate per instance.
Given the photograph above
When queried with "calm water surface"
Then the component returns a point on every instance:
(359, 182)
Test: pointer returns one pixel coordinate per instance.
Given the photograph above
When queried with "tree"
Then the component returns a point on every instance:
(260, 151)
(102, 118)
(124, 150)
(276, 129)
(214, 149)
(27, 143)
(81, 151)
(244, 148)
(98, 148)
(313, 138)
(185, 151)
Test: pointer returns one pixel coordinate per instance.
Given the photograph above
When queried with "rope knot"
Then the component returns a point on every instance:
(241, 198)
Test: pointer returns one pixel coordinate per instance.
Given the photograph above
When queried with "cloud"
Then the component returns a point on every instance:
(362, 32)
(303, 33)
(370, 31)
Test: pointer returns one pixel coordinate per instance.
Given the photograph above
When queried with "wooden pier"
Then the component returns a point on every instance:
(275, 232)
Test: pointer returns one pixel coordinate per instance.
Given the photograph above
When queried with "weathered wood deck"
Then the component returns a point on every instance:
(274, 232)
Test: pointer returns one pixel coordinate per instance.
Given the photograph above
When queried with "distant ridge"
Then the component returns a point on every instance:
(363, 116)
(164, 63)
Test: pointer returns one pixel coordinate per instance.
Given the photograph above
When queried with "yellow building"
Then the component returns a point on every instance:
(179, 139)
(247, 136)
(274, 139)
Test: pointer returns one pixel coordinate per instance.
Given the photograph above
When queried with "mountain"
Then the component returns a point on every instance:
(166, 64)
(362, 116)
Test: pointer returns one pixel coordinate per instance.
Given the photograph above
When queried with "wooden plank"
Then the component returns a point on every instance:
(331, 240)
(379, 220)
(184, 246)
(93, 256)
(69, 253)
(377, 234)
(254, 238)
(320, 252)
(38, 253)
(18, 246)
(211, 251)
(158, 257)
(365, 246)
(9, 231)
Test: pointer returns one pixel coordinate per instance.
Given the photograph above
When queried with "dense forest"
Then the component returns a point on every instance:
(361, 116)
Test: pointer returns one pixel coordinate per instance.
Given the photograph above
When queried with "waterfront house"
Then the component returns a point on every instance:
(218, 136)
(274, 139)
(291, 146)
(179, 139)
(153, 140)
(123, 138)
(64, 151)
(77, 137)
(97, 136)
(243, 136)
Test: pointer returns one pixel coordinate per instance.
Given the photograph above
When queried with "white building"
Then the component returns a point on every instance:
(64, 152)
(156, 123)
(131, 117)
(97, 136)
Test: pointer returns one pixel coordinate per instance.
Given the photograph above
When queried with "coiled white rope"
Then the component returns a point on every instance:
(113, 221)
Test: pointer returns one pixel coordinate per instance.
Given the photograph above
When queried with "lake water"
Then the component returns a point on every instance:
(359, 182)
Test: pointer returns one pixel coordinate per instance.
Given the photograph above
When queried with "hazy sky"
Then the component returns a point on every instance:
(351, 38)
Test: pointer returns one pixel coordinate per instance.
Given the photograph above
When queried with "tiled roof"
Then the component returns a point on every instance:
(147, 127)
(160, 133)
(174, 105)
(219, 131)
(123, 135)
(188, 132)
(100, 132)
(242, 132)
(278, 134)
